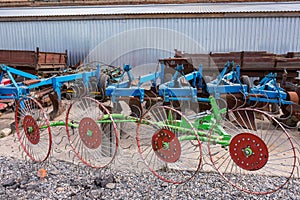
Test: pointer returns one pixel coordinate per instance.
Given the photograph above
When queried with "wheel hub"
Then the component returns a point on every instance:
(166, 145)
(248, 151)
(90, 133)
(31, 129)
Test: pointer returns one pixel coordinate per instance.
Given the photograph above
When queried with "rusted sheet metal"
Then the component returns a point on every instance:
(18, 58)
(34, 61)
(58, 108)
(253, 63)
(173, 62)
(30, 82)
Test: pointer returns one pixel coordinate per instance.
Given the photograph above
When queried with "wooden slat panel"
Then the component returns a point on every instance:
(12, 57)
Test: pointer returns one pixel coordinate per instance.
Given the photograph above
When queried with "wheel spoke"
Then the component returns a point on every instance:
(94, 143)
(166, 155)
(257, 149)
(31, 120)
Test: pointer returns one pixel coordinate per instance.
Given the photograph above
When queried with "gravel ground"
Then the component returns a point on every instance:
(65, 180)
(19, 178)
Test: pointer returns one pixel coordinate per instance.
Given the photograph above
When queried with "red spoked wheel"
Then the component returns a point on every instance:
(169, 144)
(92, 132)
(33, 129)
(259, 158)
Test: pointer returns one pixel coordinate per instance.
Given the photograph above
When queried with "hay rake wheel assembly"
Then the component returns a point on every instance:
(168, 141)
(33, 129)
(255, 150)
(92, 132)
(163, 145)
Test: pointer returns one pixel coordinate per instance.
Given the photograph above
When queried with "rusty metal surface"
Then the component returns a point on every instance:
(293, 97)
(58, 108)
(30, 82)
(252, 63)
(33, 61)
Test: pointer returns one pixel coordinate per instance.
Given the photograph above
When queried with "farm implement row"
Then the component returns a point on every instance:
(244, 140)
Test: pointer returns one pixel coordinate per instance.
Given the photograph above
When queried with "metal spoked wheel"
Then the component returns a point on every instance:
(259, 158)
(92, 132)
(169, 147)
(33, 129)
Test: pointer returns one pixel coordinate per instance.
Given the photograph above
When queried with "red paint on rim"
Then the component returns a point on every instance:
(248, 151)
(166, 145)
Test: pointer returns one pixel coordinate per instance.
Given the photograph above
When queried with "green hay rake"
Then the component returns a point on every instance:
(243, 144)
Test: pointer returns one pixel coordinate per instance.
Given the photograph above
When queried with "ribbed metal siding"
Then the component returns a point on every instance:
(141, 41)
(235, 7)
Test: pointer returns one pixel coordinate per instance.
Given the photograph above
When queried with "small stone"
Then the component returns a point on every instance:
(31, 187)
(54, 172)
(23, 182)
(15, 186)
(5, 132)
(22, 186)
(99, 182)
(9, 182)
(110, 186)
(74, 183)
(42, 173)
(164, 184)
(60, 189)
(95, 193)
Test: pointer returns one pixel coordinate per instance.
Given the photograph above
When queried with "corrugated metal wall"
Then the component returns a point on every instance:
(144, 41)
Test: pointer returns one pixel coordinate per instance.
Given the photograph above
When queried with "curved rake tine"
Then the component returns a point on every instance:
(77, 89)
(273, 152)
(127, 147)
(102, 96)
(256, 102)
(86, 90)
(92, 88)
(61, 140)
(67, 146)
(264, 104)
(178, 155)
(290, 114)
(148, 100)
(136, 111)
(245, 101)
(93, 140)
(222, 100)
(33, 129)
(60, 131)
(72, 155)
(287, 120)
(81, 89)
(235, 100)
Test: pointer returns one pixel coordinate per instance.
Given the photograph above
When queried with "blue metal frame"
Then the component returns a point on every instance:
(227, 82)
(268, 91)
(19, 90)
(173, 90)
(125, 88)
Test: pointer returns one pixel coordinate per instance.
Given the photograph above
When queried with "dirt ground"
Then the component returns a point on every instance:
(127, 156)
